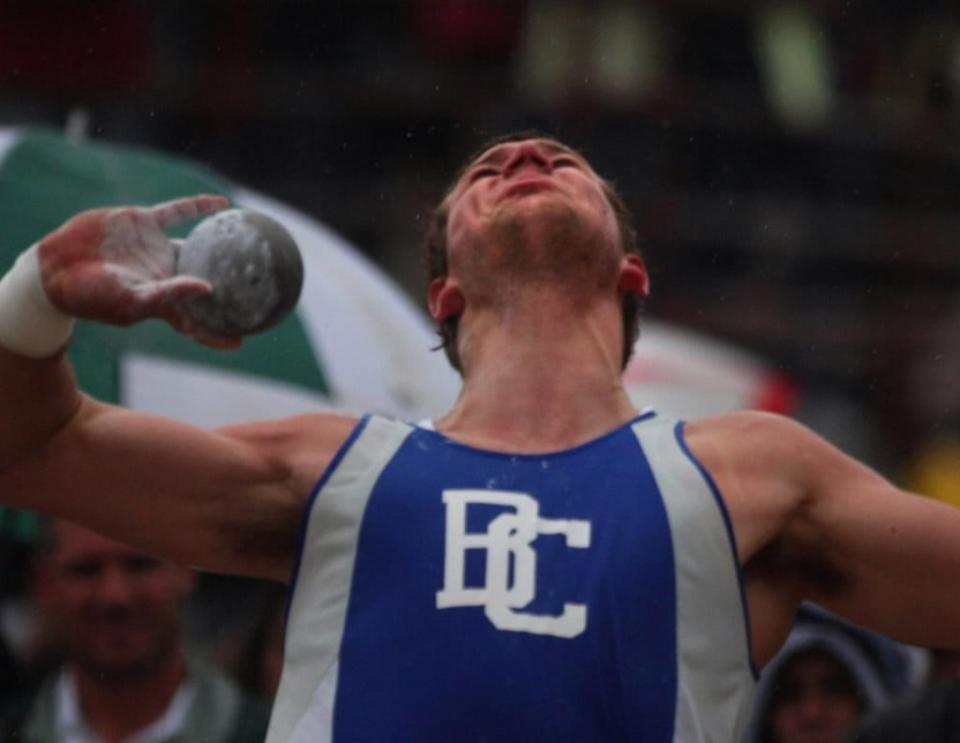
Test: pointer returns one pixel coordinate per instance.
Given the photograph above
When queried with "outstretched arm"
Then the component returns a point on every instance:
(115, 265)
(227, 500)
(815, 524)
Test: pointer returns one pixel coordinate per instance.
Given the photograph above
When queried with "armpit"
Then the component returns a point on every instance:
(809, 574)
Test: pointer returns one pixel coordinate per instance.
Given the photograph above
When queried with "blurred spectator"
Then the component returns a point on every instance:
(18, 668)
(796, 64)
(818, 687)
(126, 675)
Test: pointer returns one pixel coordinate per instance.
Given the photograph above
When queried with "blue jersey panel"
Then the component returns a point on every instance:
(511, 598)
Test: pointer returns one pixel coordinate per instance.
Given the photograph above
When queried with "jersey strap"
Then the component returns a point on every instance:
(715, 679)
(319, 596)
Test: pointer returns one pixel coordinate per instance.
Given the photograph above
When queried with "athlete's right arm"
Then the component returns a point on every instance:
(227, 500)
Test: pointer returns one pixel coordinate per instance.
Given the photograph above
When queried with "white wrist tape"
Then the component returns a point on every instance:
(29, 324)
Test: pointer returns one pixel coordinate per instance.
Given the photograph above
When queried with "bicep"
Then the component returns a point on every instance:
(891, 558)
(218, 500)
(815, 524)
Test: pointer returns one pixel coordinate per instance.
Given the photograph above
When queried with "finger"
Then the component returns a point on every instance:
(156, 296)
(170, 213)
(183, 323)
(217, 342)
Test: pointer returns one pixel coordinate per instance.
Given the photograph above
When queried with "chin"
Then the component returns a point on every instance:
(117, 670)
(121, 658)
(543, 238)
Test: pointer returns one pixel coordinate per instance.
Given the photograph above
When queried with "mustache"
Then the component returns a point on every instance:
(113, 613)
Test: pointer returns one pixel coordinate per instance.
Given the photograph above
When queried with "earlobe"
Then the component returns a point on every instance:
(444, 298)
(634, 278)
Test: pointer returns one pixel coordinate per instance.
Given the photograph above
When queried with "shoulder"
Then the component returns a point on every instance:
(313, 428)
(746, 440)
(303, 443)
(760, 463)
(751, 425)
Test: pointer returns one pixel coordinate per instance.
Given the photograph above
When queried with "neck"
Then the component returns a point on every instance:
(116, 709)
(542, 377)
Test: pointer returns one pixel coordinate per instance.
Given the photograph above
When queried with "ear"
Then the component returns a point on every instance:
(444, 298)
(634, 278)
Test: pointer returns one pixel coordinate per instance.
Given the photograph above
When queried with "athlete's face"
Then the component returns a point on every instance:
(536, 211)
(518, 176)
(522, 181)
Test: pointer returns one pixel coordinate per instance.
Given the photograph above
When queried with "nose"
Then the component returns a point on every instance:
(813, 705)
(527, 153)
(115, 587)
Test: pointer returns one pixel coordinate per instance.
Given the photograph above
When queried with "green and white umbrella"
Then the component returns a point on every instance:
(355, 343)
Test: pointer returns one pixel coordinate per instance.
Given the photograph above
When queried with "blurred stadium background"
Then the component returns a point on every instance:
(794, 166)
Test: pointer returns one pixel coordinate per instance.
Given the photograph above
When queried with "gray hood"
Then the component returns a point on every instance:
(841, 645)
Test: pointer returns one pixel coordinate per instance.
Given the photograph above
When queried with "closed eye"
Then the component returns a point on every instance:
(565, 162)
(479, 173)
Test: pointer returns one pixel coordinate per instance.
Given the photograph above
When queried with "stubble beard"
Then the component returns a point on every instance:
(546, 246)
(131, 670)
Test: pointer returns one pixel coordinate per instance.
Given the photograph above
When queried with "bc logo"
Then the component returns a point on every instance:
(509, 535)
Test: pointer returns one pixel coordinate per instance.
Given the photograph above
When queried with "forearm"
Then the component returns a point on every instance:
(38, 397)
(37, 391)
(901, 555)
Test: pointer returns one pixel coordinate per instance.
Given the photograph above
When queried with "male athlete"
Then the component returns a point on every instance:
(547, 564)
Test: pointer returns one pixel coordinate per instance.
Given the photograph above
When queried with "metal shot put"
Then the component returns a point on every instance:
(541, 563)
(253, 265)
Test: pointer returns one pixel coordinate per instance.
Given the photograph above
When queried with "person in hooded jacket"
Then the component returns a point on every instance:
(825, 679)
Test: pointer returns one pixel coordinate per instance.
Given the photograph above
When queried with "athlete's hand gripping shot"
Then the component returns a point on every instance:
(543, 562)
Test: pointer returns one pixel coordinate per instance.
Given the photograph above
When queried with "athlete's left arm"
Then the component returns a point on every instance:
(839, 534)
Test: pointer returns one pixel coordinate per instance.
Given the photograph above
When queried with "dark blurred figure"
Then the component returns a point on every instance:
(98, 49)
(817, 688)
(467, 31)
(259, 660)
(932, 715)
(116, 615)
(20, 667)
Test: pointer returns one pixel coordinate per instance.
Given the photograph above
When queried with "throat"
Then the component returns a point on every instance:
(117, 710)
(535, 394)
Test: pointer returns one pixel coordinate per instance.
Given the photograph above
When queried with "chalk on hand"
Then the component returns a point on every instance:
(253, 265)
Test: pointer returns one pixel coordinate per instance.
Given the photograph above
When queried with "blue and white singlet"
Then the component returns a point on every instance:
(450, 594)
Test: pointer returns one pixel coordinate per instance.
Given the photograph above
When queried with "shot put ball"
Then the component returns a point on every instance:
(253, 265)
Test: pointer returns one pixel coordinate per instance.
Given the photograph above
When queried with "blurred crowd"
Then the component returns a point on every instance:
(792, 166)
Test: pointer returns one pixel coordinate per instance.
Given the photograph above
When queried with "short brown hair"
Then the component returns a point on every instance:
(436, 251)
